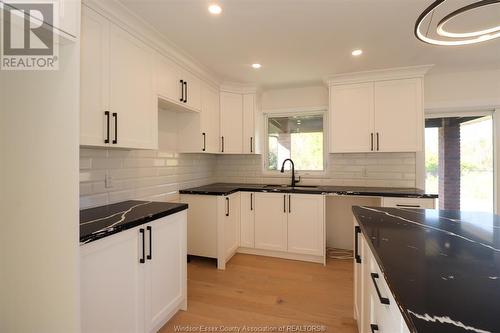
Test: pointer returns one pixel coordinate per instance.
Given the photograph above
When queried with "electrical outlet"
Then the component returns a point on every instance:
(364, 173)
(108, 181)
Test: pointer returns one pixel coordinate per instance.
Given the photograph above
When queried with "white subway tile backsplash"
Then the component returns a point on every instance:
(359, 169)
(153, 175)
(140, 174)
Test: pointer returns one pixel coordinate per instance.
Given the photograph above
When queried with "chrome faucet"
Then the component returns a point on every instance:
(294, 182)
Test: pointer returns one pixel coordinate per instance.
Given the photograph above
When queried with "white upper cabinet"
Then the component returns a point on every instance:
(380, 111)
(399, 120)
(132, 100)
(210, 119)
(176, 85)
(249, 124)
(192, 91)
(168, 80)
(118, 103)
(94, 79)
(231, 119)
(240, 120)
(351, 118)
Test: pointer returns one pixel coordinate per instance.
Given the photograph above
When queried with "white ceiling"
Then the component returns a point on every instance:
(302, 41)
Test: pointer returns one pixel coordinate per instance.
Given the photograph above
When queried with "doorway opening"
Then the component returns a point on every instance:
(459, 161)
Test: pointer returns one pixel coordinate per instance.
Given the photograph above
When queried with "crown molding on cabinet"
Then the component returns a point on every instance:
(378, 75)
(240, 88)
(122, 16)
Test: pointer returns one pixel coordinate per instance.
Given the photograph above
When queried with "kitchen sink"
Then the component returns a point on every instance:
(278, 186)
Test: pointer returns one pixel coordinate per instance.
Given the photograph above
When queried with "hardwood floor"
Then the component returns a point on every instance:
(259, 291)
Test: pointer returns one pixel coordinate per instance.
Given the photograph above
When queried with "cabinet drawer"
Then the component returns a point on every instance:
(423, 203)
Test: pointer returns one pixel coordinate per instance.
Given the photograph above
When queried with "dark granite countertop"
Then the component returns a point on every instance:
(443, 267)
(100, 222)
(229, 188)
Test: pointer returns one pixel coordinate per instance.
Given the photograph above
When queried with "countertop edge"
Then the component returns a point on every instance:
(92, 238)
(306, 191)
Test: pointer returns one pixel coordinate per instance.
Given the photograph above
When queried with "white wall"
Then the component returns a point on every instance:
(466, 91)
(296, 98)
(39, 237)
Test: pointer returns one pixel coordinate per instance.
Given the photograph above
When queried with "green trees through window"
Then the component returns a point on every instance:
(297, 137)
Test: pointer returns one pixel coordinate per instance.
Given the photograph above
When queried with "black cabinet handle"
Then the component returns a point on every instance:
(185, 92)
(409, 206)
(251, 201)
(378, 142)
(251, 144)
(357, 231)
(204, 141)
(182, 91)
(106, 113)
(150, 255)
(222, 143)
(227, 201)
(373, 328)
(289, 203)
(371, 144)
(115, 115)
(142, 260)
(383, 300)
(284, 203)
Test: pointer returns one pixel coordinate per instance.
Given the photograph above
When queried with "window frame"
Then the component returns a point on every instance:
(296, 113)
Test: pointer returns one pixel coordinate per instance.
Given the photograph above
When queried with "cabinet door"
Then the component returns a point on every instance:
(165, 282)
(232, 224)
(247, 219)
(210, 118)
(93, 78)
(351, 118)
(112, 284)
(399, 115)
(132, 94)
(231, 114)
(168, 76)
(271, 221)
(193, 91)
(249, 124)
(306, 224)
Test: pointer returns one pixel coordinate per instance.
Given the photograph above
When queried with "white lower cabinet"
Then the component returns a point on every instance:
(284, 225)
(271, 221)
(374, 306)
(135, 280)
(247, 220)
(417, 203)
(213, 226)
(291, 223)
(306, 222)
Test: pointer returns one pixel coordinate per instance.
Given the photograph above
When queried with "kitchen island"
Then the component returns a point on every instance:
(441, 268)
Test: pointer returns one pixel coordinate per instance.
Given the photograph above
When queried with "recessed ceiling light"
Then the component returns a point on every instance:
(357, 53)
(256, 66)
(215, 9)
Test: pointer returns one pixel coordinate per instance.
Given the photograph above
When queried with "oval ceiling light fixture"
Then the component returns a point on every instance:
(357, 52)
(453, 38)
(215, 9)
(256, 66)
